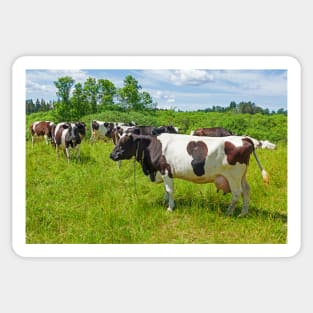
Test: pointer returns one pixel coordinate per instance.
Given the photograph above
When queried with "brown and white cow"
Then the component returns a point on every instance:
(222, 160)
(222, 132)
(212, 132)
(41, 128)
(68, 135)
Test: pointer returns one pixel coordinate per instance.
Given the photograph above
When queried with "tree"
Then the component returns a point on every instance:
(63, 108)
(233, 106)
(80, 105)
(30, 107)
(130, 95)
(91, 93)
(106, 93)
(37, 105)
(147, 101)
(282, 111)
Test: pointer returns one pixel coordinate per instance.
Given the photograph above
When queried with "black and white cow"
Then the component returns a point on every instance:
(151, 130)
(222, 160)
(107, 130)
(68, 135)
(41, 128)
(101, 130)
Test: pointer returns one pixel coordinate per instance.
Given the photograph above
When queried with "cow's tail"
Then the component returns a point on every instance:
(263, 171)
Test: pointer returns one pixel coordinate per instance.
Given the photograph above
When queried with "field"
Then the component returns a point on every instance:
(94, 201)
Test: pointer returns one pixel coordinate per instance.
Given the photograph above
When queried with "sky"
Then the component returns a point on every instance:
(184, 90)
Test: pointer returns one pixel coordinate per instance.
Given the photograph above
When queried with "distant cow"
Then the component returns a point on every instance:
(222, 160)
(68, 135)
(101, 130)
(41, 128)
(263, 144)
(152, 130)
(106, 130)
(212, 132)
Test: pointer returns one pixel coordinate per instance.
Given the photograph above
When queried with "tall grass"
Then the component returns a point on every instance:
(94, 201)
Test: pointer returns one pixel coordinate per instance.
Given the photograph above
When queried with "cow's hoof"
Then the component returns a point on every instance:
(243, 214)
(169, 209)
(229, 212)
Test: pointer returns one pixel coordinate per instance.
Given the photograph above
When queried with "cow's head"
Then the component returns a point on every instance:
(81, 128)
(108, 129)
(73, 134)
(125, 148)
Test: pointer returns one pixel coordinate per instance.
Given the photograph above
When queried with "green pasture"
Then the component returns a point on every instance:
(96, 202)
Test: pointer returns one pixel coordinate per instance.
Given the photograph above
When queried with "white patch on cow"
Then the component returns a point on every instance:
(64, 133)
(58, 127)
(35, 124)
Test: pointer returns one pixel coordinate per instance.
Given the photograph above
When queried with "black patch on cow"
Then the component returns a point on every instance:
(95, 125)
(198, 150)
(149, 154)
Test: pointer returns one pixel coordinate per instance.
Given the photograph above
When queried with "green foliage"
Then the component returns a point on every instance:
(63, 107)
(259, 126)
(91, 93)
(107, 91)
(80, 106)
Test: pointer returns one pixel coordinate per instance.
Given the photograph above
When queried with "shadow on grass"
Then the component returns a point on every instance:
(265, 214)
(220, 206)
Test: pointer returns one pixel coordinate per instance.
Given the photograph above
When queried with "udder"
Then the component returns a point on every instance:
(221, 183)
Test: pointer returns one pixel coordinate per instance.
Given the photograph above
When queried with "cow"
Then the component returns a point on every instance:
(101, 130)
(107, 130)
(211, 132)
(41, 128)
(265, 144)
(151, 130)
(68, 135)
(221, 160)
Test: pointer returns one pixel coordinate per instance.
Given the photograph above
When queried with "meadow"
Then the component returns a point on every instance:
(96, 202)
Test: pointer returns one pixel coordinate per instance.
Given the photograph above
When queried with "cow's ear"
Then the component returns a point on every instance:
(65, 126)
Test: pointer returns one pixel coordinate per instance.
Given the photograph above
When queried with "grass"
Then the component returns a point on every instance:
(95, 202)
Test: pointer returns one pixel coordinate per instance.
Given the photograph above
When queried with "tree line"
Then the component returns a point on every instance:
(244, 107)
(76, 100)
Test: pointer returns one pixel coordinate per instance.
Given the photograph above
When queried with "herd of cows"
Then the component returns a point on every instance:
(207, 155)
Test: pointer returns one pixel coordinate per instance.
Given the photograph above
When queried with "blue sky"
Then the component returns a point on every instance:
(180, 89)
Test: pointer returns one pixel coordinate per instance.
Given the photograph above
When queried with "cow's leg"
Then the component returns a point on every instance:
(57, 149)
(93, 137)
(46, 139)
(235, 187)
(245, 195)
(169, 189)
(78, 152)
(67, 151)
(33, 139)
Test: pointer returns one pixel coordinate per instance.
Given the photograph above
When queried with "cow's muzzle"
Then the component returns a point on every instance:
(114, 156)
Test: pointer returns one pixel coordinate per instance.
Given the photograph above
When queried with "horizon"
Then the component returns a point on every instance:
(183, 90)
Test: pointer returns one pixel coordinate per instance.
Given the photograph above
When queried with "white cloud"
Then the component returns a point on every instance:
(40, 83)
(162, 97)
(190, 77)
(251, 82)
